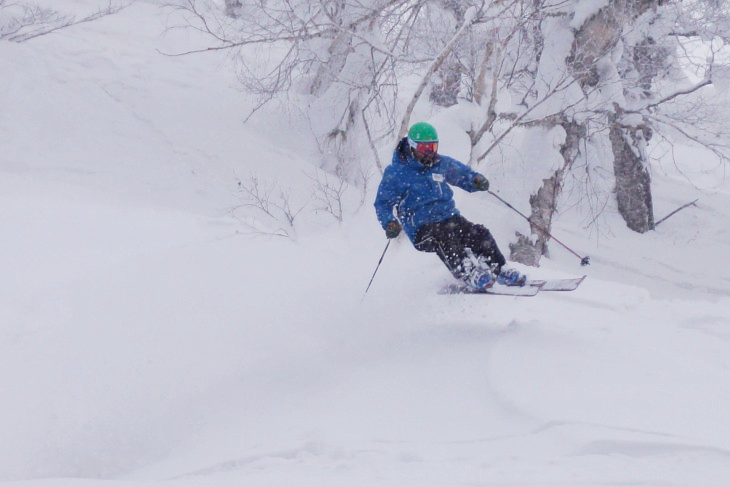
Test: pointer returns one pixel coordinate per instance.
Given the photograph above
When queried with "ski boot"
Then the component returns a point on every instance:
(477, 272)
(480, 279)
(511, 277)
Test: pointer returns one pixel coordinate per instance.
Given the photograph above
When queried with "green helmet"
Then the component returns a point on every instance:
(423, 132)
(424, 141)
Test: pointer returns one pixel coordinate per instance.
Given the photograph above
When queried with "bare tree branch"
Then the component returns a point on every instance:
(691, 203)
(36, 22)
(679, 93)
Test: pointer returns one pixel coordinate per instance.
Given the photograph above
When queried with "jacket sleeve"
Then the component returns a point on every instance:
(389, 195)
(459, 174)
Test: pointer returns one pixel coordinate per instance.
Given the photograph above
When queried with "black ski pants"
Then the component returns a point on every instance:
(451, 238)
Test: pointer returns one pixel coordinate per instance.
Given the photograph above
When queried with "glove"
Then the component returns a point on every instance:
(392, 229)
(481, 183)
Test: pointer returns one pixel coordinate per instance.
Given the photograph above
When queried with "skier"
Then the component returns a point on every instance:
(416, 185)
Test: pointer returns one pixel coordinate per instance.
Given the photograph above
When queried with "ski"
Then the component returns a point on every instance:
(569, 284)
(531, 288)
(497, 289)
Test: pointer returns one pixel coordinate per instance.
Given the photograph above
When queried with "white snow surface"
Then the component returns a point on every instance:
(146, 341)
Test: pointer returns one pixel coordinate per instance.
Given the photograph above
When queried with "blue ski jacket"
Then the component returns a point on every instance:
(420, 194)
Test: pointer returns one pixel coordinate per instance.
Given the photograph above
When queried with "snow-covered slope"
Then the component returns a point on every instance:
(144, 340)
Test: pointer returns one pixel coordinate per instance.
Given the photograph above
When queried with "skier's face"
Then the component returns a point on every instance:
(426, 152)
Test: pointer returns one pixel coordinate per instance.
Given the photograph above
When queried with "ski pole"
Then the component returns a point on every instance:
(378, 266)
(583, 260)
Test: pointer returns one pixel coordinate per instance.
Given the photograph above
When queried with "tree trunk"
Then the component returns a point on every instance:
(528, 250)
(328, 70)
(544, 203)
(446, 84)
(633, 183)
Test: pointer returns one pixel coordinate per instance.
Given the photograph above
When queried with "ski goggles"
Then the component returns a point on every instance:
(425, 147)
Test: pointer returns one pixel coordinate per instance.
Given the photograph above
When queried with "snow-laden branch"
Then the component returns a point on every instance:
(562, 85)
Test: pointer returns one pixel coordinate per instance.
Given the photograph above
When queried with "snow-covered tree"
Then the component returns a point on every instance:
(612, 75)
(343, 62)
(597, 82)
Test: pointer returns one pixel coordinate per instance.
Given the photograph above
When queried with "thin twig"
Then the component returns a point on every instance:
(680, 93)
(691, 203)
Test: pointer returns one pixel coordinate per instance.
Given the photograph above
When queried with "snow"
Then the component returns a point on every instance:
(584, 10)
(146, 341)
(721, 78)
